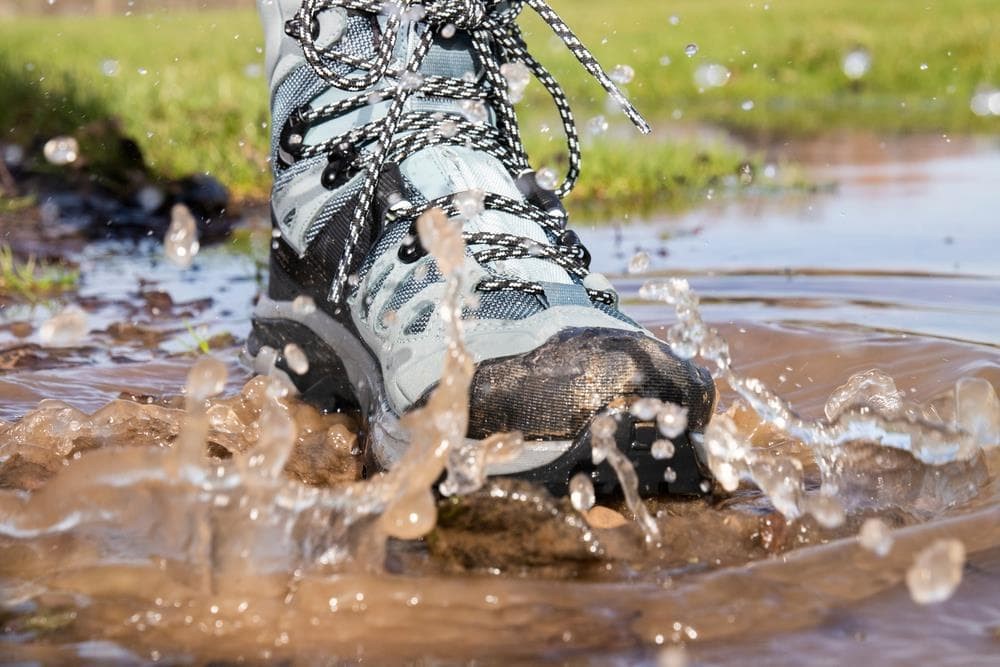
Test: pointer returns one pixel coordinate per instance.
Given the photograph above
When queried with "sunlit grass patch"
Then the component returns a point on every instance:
(190, 86)
(33, 280)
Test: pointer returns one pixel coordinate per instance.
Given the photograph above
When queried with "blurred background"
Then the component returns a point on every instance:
(724, 82)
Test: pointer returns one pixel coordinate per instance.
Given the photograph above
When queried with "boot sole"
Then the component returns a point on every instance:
(344, 374)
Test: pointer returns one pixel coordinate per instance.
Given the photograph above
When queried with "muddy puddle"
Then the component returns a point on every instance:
(121, 542)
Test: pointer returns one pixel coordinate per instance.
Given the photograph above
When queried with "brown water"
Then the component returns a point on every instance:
(116, 545)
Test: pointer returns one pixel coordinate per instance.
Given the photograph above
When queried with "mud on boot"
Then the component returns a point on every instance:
(383, 111)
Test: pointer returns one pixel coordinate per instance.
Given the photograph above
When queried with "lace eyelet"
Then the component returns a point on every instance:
(410, 250)
(339, 167)
(290, 141)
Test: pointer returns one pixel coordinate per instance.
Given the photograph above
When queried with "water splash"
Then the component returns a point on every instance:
(604, 448)
(868, 409)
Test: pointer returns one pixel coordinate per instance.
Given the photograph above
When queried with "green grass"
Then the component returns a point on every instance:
(786, 56)
(186, 87)
(31, 280)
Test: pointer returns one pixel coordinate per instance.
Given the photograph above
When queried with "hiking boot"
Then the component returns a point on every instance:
(381, 112)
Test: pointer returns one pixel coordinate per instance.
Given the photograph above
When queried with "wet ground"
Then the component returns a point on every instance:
(110, 558)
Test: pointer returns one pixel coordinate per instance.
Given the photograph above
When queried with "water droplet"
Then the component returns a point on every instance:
(448, 31)
(469, 203)
(665, 60)
(546, 178)
(448, 128)
(61, 150)
(985, 101)
(672, 656)
(411, 80)
(645, 408)
(639, 263)
(181, 242)
(518, 76)
(597, 125)
(303, 304)
(856, 63)
(936, 572)
(622, 74)
(412, 517)
(827, 510)
(206, 378)
(415, 13)
(747, 105)
(711, 75)
(663, 449)
(669, 475)
(674, 19)
(150, 198)
(12, 155)
(690, 50)
(110, 67)
(923, 67)
(672, 420)
(65, 328)
(581, 492)
(296, 359)
(602, 430)
(875, 536)
(392, 9)
(475, 111)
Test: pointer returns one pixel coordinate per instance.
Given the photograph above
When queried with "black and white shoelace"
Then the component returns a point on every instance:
(496, 39)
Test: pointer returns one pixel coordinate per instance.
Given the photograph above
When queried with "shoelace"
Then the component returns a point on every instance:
(492, 27)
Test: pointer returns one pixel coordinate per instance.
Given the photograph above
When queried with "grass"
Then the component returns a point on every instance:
(31, 280)
(786, 57)
(189, 87)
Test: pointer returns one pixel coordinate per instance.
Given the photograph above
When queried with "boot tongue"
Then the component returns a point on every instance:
(439, 171)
